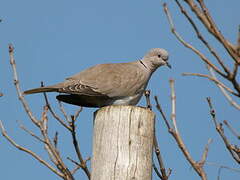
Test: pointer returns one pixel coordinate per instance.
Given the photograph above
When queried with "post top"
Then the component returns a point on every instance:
(123, 107)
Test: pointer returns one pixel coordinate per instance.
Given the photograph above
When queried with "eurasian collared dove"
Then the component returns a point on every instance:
(109, 84)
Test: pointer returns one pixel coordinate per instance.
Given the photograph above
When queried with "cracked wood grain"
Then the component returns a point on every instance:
(122, 143)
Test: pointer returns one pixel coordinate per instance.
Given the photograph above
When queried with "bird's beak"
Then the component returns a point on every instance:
(168, 65)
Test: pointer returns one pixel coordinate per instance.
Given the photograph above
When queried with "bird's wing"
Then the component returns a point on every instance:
(76, 87)
(122, 79)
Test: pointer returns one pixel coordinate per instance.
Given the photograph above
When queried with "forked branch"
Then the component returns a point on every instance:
(234, 150)
(38, 158)
(197, 166)
(42, 124)
(204, 16)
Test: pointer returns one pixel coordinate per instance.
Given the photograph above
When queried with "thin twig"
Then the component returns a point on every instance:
(44, 130)
(238, 41)
(205, 152)
(4, 133)
(159, 108)
(222, 166)
(31, 133)
(77, 113)
(235, 70)
(160, 159)
(52, 112)
(75, 169)
(147, 95)
(234, 131)
(156, 171)
(164, 175)
(77, 148)
(229, 98)
(63, 111)
(216, 81)
(220, 131)
(212, 111)
(173, 98)
(19, 92)
(51, 149)
(55, 139)
(169, 172)
(77, 164)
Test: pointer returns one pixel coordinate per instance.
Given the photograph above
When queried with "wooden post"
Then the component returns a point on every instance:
(122, 143)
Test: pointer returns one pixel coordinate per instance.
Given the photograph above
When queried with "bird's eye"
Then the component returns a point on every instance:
(159, 55)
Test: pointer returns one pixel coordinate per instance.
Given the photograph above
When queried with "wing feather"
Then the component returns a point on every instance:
(112, 80)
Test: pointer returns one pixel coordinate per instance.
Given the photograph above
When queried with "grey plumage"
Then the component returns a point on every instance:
(107, 84)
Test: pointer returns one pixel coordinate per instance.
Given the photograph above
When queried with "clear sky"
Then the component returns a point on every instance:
(56, 39)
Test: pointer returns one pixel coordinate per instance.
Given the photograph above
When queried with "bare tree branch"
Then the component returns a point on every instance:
(19, 92)
(77, 113)
(147, 95)
(159, 108)
(52, 151)
(233, 151)
(157, 172)
(197, 166)
(4, 133)
(173, 98)
(205, 152)
(238, 41)
(71, 127)
(220, 167)
(164, 175)
(206, 19)
(233, 130)
(235, 70)
(216, 81)
(52, 112)
(229, 98)
(177, 35)
(42, 125)
(77, 149)
(31, 133)
(55, 139)
(78, 166)
(200, 36)
(63, 111)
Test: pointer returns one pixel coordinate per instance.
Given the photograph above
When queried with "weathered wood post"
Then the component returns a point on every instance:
(122, 143)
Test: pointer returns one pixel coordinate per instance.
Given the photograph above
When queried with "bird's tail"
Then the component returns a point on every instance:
(41, 89)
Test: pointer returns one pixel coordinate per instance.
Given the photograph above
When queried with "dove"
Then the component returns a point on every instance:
(109, 84)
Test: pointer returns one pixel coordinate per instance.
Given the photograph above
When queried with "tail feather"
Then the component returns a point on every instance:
(41, 89)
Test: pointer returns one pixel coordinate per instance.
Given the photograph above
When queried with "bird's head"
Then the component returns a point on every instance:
(155, 58)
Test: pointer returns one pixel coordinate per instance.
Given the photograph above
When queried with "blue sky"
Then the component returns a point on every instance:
(56, 39)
